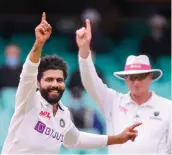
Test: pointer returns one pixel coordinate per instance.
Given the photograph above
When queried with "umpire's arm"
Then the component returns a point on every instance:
(92, 83)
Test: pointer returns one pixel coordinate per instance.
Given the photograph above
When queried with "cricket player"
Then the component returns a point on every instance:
(139, 104)
(41, 123)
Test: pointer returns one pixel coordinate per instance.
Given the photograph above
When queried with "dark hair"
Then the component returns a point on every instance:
(51, 62)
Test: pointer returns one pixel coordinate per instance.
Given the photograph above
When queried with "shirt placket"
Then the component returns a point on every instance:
(137, 115)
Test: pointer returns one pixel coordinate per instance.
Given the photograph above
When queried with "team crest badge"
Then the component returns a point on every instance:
(62, 123)
(156, 113)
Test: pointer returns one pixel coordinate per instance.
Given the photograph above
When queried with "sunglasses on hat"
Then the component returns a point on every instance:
(139, 77)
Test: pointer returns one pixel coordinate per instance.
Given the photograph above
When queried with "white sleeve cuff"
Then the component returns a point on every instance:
(88, 59)
(32, 63)
(30, 67)
(91, 141)
(82, 140)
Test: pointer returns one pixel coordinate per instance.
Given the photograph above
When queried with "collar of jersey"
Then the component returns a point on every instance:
(150, 103)
(48, 104)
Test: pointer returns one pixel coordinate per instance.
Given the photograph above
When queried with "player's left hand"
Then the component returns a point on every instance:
(83, 36)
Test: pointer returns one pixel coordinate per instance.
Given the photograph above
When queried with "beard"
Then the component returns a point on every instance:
(51, 99)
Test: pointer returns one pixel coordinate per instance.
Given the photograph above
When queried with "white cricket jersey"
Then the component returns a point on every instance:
(120, 111)
(33, 127)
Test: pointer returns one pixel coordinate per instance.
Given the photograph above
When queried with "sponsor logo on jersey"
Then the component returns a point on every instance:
(45, 114)
(43, 129)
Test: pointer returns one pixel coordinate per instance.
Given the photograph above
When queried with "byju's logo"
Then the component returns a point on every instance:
(40, 127)
(43, 129)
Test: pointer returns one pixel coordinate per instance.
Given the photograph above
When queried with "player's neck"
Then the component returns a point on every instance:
(55, 108)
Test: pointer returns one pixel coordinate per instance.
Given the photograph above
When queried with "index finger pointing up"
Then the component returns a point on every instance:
(43, 16)
(88, 25)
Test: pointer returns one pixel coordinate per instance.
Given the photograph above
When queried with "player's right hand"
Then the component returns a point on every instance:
(129, 133)
(43, 30)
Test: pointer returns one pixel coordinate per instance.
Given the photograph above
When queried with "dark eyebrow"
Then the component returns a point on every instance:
(54, 78)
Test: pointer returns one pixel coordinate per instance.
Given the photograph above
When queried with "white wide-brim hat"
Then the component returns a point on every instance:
(138, 65)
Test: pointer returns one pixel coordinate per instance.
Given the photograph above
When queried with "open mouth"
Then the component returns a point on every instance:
(54, 92)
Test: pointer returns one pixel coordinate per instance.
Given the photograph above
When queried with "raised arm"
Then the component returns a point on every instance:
(28, 78)
(90, 79)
